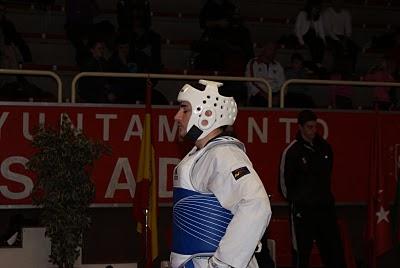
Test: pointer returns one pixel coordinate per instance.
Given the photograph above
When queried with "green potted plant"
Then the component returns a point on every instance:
(63, 188)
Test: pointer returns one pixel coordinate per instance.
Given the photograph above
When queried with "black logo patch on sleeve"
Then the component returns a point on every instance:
(240, 172)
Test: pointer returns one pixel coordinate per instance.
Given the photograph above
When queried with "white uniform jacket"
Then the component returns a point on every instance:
(221, 208)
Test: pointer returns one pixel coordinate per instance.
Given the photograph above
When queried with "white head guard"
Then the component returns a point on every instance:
(210, 110)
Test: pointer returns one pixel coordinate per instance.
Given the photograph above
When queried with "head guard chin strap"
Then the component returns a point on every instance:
(210, 110)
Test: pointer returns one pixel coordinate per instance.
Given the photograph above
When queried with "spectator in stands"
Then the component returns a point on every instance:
(13, 52)
(305, 179)
(95, 89)
(79, 25)
(297, 95)
(96, 62)
(129, 90)
(14, 49)
(341, 95)
(309, 30)
(105, 31)
(122, 60)
(338, 31)
(265, 66)
(382, 72)
(125, 90)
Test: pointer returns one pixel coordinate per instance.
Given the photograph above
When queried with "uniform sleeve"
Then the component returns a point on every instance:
(288, 171)
(321, 29)
(348, 24)
(293, 178)
(299, 25)
(239, 189)
(328, 27)
(330, 152)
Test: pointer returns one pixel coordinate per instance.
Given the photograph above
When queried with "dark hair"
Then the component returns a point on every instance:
(310, 4)
(92, 42)
(305, 116)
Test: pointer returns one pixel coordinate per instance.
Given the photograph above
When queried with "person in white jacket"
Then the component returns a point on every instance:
(221, 209)
(264, 66)
(338, 29)
(309, 30)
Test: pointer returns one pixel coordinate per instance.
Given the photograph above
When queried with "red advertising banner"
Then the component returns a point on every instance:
(265, 133)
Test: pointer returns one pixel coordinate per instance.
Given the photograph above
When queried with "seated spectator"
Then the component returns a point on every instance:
(13, 52)
(297, 95)
(382, 72)
(265, 66)
(96, 61)
(129, 90)
(310, 31)
(338, 31)
(105, 31)
(17, 51)
(122, 60)
(125, 90)
(95, 89)
(341, 95)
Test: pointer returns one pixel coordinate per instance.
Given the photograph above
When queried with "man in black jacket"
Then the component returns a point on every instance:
(305, 178)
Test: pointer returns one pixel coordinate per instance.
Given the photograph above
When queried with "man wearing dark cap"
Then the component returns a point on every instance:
(305, 180)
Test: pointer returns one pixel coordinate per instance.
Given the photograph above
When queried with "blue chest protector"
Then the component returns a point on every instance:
(199, 222)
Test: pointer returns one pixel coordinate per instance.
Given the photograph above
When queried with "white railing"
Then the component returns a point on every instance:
(329, 82)
(170, 77)
(37, 73)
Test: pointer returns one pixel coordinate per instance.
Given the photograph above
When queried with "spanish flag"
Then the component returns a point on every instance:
(146, 204)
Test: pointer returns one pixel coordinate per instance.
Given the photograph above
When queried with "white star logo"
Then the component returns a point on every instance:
(382, 214)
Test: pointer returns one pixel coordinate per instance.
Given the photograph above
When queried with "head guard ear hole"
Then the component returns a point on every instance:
(204, 123)
(208, 113)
